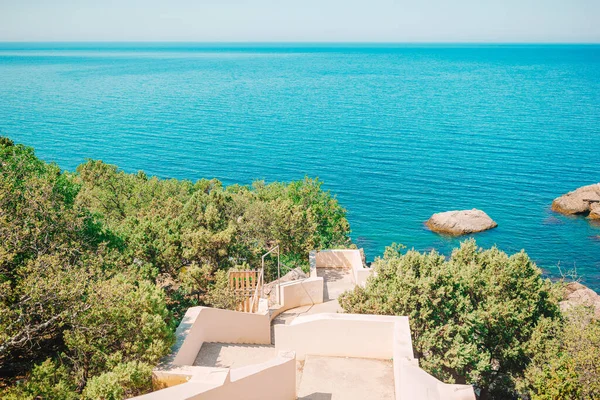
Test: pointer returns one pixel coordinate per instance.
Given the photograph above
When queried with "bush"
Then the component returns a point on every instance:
(566, 359)
(48, 380)
(471, 316)
(122, 382)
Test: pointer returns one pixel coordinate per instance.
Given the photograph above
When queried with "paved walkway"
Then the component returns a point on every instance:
(225, 355)
(339, 378)
(336, 281)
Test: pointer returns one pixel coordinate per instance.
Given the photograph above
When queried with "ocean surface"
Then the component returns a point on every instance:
(397, 133)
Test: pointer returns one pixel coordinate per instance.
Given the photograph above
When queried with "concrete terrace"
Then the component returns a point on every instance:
(303, 347)
(345, 378)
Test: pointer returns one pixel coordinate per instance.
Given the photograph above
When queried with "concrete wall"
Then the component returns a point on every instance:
(368, 336)
(273, 380)
(411, 382)
(336, 258)
(204, 324)
(414, 383)
(344, 335)
(294, 294)
(179, 379)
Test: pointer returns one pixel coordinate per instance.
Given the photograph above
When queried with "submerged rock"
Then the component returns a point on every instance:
(461, 222)
(585, 200)
(577, 294)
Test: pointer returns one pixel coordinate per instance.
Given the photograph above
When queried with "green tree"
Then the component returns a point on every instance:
(46, 239)
(48, 380)
(70, 308)
(123, 321)
(471, 316)
(565, 361)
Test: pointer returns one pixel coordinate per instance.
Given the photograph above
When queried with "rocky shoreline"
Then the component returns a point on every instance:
(577, 294)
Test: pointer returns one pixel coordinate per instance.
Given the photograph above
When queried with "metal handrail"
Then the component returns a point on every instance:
(276, 248)
(255, 296)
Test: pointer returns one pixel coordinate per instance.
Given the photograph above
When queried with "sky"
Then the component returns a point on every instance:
(406, 21)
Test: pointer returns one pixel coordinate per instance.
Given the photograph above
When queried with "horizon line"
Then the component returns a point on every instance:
(284, 42)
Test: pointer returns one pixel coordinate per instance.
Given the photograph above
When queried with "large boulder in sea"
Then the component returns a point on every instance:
(585, 200)
(460, 222)
(577, 294)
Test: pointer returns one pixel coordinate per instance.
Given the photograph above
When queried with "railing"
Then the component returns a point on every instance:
(246, 284)
(256, 295)
(272, 250)
(249, 285)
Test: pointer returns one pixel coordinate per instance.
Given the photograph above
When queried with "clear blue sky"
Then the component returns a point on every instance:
(301, 20)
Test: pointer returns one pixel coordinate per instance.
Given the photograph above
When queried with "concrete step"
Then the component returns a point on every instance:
(227, 355)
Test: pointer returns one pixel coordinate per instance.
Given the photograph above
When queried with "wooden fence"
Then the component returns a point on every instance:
(247, 286)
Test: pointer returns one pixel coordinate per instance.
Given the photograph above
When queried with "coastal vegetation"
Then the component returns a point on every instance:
(98, 265)
(488, 319)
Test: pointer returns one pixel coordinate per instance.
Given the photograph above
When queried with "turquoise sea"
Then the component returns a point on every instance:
(396, 132)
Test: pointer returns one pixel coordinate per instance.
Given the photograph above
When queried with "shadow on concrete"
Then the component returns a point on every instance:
(317, 396)
(330, 276)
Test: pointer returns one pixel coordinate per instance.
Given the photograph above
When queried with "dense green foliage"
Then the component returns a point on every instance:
(566, 359)
(472, 317)
(180, 233)
(97, 266)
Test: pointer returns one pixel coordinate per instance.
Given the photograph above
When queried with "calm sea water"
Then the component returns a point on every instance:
(396, 132)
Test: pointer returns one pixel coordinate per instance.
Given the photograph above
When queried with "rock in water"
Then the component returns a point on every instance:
(577, 294)
(584, 200)
(461, 222)
(594, 211)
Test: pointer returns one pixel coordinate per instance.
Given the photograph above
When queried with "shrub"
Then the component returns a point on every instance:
(471, 316)
(122, 382)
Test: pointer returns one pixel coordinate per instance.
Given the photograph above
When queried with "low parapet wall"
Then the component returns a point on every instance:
(414, 383)
(272, 380)
(180, 379)
(345, 335)
(368, 336)
(344, 258)
(300, 293)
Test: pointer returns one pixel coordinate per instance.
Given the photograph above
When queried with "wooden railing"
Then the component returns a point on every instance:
(247, 285)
